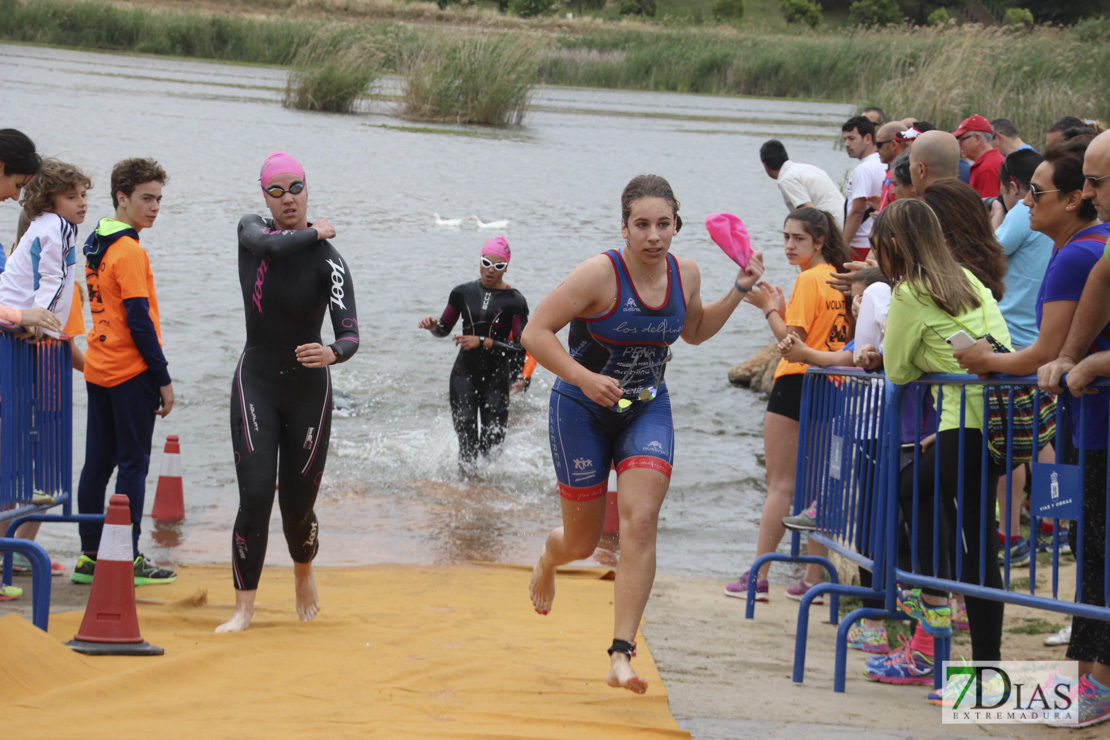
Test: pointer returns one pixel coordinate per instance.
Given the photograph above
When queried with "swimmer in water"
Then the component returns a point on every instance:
(610, 404)
(281, 395)
(490, 356)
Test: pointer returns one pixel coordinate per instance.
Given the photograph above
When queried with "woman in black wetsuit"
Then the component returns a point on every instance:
(281, 394)
(490, 356)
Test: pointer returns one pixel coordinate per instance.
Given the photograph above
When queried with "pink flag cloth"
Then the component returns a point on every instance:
(729, 233)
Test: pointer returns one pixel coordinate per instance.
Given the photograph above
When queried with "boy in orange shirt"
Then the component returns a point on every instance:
(125, 370)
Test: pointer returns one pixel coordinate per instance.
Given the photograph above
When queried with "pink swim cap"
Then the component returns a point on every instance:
(498, 247)
(279, 163)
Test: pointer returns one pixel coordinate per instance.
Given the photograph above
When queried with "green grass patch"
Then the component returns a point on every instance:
(471, 78)
(332, 71)
(1019, 584)
(1045, 558)
(1034, 626)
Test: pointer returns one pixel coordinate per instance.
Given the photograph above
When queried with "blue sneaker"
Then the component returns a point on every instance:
(993, 691)
(935, 620)
(903, 666)
(1019, 552)
(1094, 708)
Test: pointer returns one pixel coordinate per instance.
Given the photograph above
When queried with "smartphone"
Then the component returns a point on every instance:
(961, 340)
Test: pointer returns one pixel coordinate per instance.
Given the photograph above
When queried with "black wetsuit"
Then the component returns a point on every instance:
(280, 409)
(481, 378)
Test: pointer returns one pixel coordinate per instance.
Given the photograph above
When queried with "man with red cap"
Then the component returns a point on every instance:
(977, 144)
(490, 355)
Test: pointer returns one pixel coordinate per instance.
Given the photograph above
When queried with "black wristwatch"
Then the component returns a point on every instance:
(338, 353)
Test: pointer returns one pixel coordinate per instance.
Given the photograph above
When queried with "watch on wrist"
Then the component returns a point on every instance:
(338, 355)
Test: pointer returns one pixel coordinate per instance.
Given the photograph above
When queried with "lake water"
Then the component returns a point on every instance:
(392, 492)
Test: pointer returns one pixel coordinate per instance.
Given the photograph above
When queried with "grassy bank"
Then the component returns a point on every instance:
(938, 75)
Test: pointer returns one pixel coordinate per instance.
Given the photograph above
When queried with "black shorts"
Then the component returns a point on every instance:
(786, 397)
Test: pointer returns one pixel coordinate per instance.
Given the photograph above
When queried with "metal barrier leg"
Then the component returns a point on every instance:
(40, 576)
(774, 557)
(840, 668)
(802, 631)
(942, 651)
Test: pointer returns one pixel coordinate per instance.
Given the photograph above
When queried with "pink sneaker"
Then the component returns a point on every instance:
(739, 589)
(798, 590)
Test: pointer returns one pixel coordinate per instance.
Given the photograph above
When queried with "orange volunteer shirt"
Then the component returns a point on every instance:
(75, 324)
(124, 272)
(818, 308)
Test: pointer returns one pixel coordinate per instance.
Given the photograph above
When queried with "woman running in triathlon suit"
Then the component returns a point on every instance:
(281, 397)
(610, 404)
(490, 356)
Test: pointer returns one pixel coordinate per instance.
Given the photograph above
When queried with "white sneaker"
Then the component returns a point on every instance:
(1063, 637)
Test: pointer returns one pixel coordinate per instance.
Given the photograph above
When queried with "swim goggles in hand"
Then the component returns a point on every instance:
(645, 394)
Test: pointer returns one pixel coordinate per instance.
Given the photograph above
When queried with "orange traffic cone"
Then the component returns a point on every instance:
(169, 499)
(111, 625)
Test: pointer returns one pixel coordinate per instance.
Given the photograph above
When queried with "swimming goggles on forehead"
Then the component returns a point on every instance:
(499, 266)
(276, 191)
(645, 394)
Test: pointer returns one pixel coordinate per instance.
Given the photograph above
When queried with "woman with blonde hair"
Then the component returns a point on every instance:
(933, 298)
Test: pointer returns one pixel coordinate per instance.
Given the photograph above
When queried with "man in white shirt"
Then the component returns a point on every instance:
(801, 185)
(866, 181)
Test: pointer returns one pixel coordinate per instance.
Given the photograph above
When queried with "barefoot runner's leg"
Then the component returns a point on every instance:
(583, 523)
(643, 490)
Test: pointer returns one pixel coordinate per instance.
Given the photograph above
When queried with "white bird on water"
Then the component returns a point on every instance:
(450, 222)
(499, 224)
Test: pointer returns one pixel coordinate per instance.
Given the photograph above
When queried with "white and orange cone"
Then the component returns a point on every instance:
(169, 499)
(111, 625)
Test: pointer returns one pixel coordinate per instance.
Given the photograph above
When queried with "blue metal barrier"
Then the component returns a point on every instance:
(36, 450)
(1073, 477)
(850, 463)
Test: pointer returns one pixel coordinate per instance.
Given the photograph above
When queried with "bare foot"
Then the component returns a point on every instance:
(308, 604)
(621, 675)
(542, 585)
(239, 621)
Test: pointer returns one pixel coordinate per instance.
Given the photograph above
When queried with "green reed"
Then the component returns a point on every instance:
(937, 74)
(940, 75)
(1030, 78)
(471, 78)
(332, 71)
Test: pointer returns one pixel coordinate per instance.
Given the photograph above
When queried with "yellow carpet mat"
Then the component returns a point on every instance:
(404, 652)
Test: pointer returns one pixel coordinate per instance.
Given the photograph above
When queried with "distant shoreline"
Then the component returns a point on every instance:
(1031, 77)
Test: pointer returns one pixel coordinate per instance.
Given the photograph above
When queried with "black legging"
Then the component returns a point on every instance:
(471, 402)
(984, 616)
(1090, 638)
(280, 414)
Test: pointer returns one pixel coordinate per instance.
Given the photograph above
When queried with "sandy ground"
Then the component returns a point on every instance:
(730, 678)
